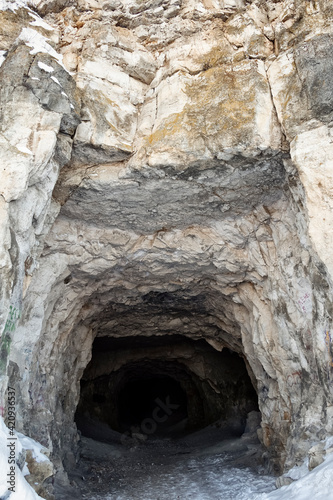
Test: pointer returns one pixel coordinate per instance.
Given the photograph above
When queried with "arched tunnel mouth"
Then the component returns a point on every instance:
(163, 386)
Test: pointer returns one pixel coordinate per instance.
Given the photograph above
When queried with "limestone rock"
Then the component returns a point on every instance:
(213, 126)
(303, 101)
(39, 472)
(178, 181)
(283, 481)
(316, 455)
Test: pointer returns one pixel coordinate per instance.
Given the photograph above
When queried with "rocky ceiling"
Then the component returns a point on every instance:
(167, 171)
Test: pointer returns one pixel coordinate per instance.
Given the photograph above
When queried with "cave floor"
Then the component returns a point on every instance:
(202, 466)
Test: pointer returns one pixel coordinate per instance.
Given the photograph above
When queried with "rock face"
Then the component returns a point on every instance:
(167, 169)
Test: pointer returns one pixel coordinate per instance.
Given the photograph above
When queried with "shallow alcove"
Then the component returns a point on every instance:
(163, 385)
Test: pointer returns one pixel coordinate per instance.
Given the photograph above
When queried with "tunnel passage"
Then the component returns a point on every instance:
(150, 401)
(163, 385)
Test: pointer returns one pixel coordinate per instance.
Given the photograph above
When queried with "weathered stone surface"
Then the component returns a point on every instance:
(214, 120)
(302, 95)
(179, 180)
(39, 472)
(316, 455)
(283, 481)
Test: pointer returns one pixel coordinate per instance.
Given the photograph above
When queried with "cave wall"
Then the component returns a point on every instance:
(167, 168)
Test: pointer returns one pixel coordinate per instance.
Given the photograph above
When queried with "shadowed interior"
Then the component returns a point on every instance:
(158, 385)
(152, 403)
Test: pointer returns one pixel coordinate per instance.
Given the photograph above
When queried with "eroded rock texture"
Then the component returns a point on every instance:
(167, 169)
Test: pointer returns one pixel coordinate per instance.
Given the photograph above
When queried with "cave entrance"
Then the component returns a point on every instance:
(162, 385)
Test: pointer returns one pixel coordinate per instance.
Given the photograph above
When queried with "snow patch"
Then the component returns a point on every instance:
(56, 80)
(329, 443)
(39, 22)
(45, 67)
(200, 7)
(2, 55)
(25, 470)
(298, 471)
(315, 485)
(39, 43)
(36, 448)
(13, 6)
(23, 490)
(24, 149)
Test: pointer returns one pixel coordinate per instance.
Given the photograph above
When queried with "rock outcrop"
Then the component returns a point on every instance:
(167, 169)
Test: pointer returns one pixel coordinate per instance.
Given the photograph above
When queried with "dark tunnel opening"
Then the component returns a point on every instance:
(167, 385)
(154, 404)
